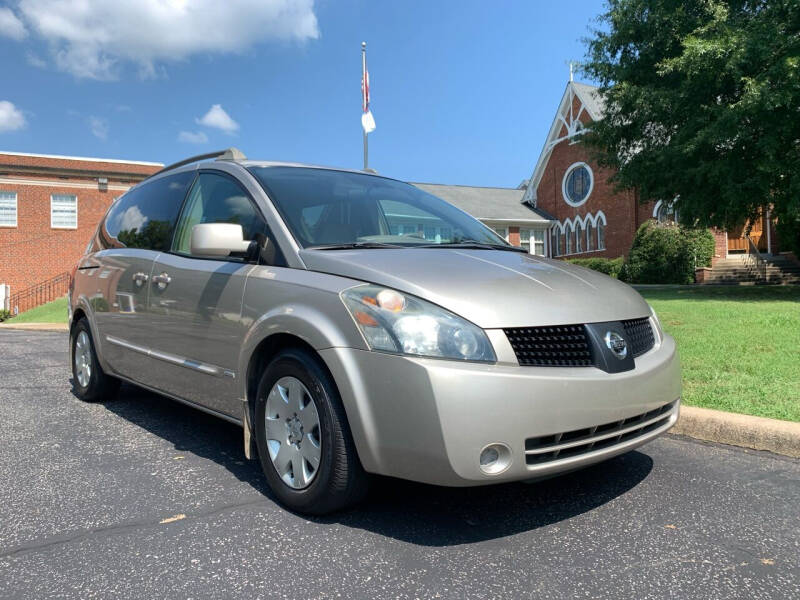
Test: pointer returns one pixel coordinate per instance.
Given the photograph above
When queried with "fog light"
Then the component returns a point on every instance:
(495, 458)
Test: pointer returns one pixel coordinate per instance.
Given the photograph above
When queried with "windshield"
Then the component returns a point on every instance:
(330, 208)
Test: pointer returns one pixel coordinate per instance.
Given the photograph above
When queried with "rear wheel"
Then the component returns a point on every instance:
(89, 381)
(304, 442)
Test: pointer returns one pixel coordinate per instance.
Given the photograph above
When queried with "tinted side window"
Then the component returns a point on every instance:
(145, 217)
(220, 199)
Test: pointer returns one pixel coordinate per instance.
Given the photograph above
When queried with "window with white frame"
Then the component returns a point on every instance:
(577, 184)
(601, 235)
(8, 209)
(501, 231)
(589, 236)
(578, 238)
(525, 239)
(554, 241)
(666, 212)
(569, 235)
(63, 211)
(537, 242)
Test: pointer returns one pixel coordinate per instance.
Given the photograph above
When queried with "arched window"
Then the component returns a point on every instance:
(569, 234)
(665, 212)
(554, 241)
(589, 236)
(601, 235)
(578, 238)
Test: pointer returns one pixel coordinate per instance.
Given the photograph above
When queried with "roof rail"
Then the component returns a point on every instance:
(228, 154)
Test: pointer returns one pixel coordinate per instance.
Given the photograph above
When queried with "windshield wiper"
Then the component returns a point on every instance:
(354, 246)
(475, 245)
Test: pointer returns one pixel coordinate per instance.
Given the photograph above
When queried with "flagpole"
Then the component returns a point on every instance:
(364, 82)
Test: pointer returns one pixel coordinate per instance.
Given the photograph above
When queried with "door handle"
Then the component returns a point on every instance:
(139, 278)
(162, 280)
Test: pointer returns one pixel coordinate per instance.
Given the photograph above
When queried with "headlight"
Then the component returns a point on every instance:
(656, 322)
(394, 322)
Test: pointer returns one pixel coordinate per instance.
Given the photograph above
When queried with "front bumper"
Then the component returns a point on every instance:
(428, 420)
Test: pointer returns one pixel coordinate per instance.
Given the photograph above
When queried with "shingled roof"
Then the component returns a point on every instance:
(487, 203)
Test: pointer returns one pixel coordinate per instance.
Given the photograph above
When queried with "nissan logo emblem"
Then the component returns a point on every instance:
(617, 344)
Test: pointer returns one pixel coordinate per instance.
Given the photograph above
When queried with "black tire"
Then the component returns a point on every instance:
(99, 386)
(340, 480)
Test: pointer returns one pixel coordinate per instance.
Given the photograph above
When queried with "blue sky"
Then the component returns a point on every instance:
(462, 92)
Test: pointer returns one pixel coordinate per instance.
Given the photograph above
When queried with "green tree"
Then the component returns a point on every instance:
(702, 102)
(154, 234)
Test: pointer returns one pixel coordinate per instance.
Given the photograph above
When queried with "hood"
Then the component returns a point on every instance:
(491, 288)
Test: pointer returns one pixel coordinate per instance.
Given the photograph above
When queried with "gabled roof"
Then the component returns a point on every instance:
(487, 203)
(591, 102)
(590, 96)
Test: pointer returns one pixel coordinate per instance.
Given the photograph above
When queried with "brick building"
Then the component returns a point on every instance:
(49, 209)
(591, 218)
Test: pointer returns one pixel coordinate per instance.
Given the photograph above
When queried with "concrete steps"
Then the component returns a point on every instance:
(738, 270)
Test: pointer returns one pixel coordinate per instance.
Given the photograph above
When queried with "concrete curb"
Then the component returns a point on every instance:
(758, 433)
(35, 326)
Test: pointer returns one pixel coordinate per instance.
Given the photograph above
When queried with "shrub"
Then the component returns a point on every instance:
(609, 266)
(667, 253)
(5, 314)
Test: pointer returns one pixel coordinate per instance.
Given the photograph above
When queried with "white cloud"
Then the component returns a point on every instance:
(132, 218)
(193, 137)
(94, 38)
(35, 61)
(99, 127)
(11, 118)
(10, 25)
(218, 118)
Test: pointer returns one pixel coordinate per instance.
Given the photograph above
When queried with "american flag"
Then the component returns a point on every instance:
(365, 91)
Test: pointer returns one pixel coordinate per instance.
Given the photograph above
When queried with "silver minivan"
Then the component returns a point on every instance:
(353, 324)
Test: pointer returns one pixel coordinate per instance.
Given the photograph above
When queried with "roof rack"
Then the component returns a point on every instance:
(228, 154)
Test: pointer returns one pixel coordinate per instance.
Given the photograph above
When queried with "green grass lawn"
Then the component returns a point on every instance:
(52, 312)
(739, 346)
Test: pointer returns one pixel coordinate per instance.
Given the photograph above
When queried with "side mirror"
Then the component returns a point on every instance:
(218, 239)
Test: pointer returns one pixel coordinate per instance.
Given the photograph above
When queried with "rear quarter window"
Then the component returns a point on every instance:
(145, 216)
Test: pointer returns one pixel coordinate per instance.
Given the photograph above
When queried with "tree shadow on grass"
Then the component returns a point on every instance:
(411, 512)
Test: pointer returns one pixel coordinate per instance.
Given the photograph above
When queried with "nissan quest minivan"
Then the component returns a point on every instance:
(353, 324)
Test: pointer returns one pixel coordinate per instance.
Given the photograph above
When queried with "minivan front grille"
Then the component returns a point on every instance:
(569, 345)
(558, 346)
(640, 335)
(548, 448)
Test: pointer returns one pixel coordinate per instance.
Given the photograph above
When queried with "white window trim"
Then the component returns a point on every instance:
(51, 212)
(661, 203)
(569, 170)
(504, 235)
(594, 219)
(16, 211)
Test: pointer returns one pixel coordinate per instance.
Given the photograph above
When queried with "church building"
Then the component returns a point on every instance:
(591, 218)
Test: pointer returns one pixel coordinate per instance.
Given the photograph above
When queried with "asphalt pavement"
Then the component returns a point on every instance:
(143, 497)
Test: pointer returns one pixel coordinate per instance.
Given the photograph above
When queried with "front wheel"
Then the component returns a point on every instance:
(89, 382)
(304, 443)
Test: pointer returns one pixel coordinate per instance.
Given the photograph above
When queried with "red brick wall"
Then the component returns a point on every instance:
(32, 251)
(720, 245)
(621, 209)
(513, 235)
